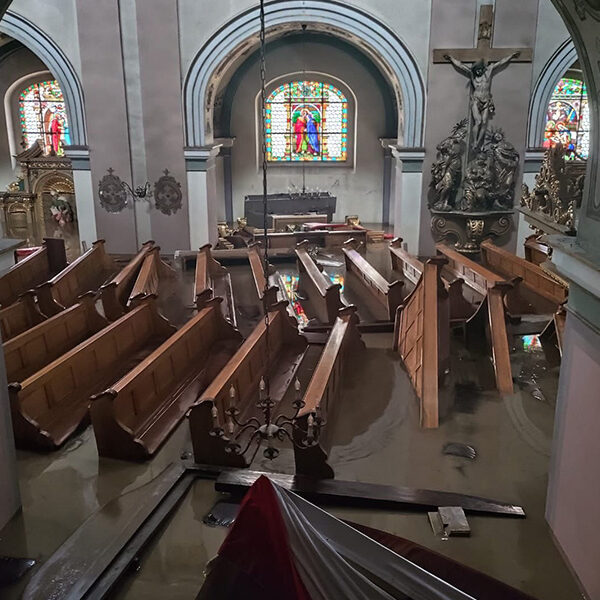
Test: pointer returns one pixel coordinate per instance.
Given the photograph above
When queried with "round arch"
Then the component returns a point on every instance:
(551, 74)
(31, 36)
(375, 39)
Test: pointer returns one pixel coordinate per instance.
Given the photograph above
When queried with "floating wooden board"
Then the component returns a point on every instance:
(366, 495)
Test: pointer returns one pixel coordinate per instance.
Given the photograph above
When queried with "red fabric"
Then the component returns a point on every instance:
(259, 547)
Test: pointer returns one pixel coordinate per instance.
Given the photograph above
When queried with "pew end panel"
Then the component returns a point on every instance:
(147, 280)
(20, 316)
(57, 255)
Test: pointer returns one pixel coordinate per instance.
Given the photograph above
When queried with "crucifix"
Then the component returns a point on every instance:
(485, 60)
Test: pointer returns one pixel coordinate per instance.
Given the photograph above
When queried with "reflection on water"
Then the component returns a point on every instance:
(531, 343)
(290, 284)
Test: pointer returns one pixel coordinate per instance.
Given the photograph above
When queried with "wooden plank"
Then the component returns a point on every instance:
(366, 495)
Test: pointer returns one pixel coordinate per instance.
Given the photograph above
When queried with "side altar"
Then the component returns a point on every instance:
(301, 206)
(472, 188)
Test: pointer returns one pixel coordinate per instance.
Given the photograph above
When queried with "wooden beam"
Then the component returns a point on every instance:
(365, 495)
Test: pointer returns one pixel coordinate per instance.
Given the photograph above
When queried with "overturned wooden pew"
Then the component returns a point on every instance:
(324, 394)
(20, 316)
(412, 268)
(286, 348)
(486, 331)
(53, 403)
(33, 349)
(115, 294)
(86, 273)
(267, 294)
(152, 272)
(541, 293)
(137, 414)
(381, 297)
(323, 296)
(33, 270)
(422, 338)
(213, 280)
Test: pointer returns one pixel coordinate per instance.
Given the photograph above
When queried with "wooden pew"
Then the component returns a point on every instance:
(147, 283)
(244, 372)
(267, 295)
(545, 293)
(422, 338)
(115, 294)
(212, 279)
(33, 270)
(87, 273)
(536, 251)
(35, 348)
(53, 403)
(20, 316)
(323, 296)
(324, 393)
(486, 331)
(137, 414)
(370, 284)
(552, 337)
(412, 268)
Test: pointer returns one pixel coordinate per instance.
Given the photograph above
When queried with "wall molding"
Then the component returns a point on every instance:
(44, 47)
(360, 28)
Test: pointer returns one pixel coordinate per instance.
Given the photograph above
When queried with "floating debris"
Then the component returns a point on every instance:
(458, 449)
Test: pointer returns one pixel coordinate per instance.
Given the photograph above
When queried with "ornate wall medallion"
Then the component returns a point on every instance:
(113, 197)
(167, 194)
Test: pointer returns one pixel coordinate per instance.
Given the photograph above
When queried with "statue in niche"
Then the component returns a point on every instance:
(482, 102)
(446, 172)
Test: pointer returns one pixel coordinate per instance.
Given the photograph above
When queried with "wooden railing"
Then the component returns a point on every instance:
(85, 274)
(324, 393)
(35, 348)
(138, 413)
(422, 338)
(243, 372)
(323, 296)
(19, 316)
(387, 295)
(53, 403)
(267, 295)
(115, 294)
(33, 270)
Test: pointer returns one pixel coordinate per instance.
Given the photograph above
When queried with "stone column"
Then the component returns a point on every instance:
(201, 181)
(84, 194)
(407, 176)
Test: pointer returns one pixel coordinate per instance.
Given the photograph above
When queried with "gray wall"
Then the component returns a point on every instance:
(359, 189)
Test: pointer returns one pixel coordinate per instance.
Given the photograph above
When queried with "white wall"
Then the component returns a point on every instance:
(359, 189)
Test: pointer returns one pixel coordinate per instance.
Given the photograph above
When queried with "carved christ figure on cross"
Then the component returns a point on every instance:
(482, 104)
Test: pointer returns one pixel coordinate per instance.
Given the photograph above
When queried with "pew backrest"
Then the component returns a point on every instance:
(115, 293)
(33, 349)
(33, 270)
(207, 268)
(475, 275)
(323, 295)
(533, 276)
(86, 273)
(403, 262)
(148, 278)
(389, 295)
(19, 316)
(267, 294)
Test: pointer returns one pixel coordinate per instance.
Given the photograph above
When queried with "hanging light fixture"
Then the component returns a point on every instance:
(281, 427)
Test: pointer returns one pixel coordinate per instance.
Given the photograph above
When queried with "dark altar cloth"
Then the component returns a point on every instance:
(472, 582)
(288, 204)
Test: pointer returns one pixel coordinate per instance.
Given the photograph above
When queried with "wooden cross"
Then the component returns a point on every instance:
(484, 50)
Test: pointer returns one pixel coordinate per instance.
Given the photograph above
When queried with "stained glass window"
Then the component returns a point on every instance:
(568, 119)
(43, 117)
(306, 121)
